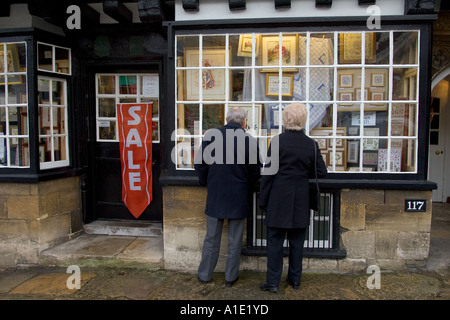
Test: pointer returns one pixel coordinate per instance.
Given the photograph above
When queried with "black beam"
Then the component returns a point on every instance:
(190, 5)
(236, 5)
(324, 3)
(419, 6)
(282, 4)
(151, 10)
(366, 2)
(5, 8)
(117, 11)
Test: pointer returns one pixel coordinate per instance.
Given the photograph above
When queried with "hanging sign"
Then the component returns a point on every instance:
(135, 141)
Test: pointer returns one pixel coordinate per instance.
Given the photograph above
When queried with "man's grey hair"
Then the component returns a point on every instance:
(236, 114)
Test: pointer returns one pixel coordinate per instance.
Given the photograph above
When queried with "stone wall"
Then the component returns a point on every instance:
(37, 216)
(374, 230)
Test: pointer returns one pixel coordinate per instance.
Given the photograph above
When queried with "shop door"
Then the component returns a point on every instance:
(437, 143)
(110, 90)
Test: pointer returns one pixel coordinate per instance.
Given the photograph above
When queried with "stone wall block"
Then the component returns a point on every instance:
(353, 216)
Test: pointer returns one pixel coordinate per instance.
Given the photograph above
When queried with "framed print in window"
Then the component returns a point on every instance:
(270, 48)
(358, 94)
(213, 80)
(377, 96)
(353, 151)
(272, 84)
(377, 79)
(346, 97)
(346, 80)
(246, 45)
(350, 47)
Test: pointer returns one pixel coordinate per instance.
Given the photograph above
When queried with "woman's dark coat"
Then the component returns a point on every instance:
(231, 182)
(285, 195)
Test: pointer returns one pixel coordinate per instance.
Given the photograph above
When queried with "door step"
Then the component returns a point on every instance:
(124, 228)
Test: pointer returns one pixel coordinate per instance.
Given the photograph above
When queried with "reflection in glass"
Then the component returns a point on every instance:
(106, 84)
(106, 107)
(405, 47)
(45, 57)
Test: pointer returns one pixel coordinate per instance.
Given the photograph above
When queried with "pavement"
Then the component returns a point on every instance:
(137, 282)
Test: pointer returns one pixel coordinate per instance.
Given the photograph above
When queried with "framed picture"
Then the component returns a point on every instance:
(270, 48)
(213, 80)
(353, 151)
(251, 126)
(322, 143)
(377, 96)
(350, 47)
(346, 97)
(245, 48)
(346, 80)
(371, 143)
(377, 79)
(275, 115)
(273, 81)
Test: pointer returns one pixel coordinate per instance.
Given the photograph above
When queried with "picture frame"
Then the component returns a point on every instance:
(353, 151)
(270, 51)
(346, 96)
(346, 80)
(250, 126)
(323, 145)
(213, 80)
(274, 115)
(377, 79)
(272, 84)
(350, 45)
(245, 48)
(377, 96)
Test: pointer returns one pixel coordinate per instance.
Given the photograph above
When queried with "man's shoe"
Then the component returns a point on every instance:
(202, 281)
(230, 283)
(295, 285)
(266, 287)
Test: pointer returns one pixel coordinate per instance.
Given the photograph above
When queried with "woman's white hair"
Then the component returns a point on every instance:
(236, 114)
(294, 116)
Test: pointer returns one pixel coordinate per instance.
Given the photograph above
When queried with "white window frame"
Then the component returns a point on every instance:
(54, 67)
(117, 96)
(8, 136)
(411, 139)
(56, 163)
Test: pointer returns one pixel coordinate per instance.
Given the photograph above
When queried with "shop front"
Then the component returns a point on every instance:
(364, 77)
(366, 87)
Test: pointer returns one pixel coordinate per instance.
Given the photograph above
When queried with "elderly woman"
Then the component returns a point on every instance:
(284, 195)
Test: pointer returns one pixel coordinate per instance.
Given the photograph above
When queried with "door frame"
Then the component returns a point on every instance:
(442, 193)
(90, 212)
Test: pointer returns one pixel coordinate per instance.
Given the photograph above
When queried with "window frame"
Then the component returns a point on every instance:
(405, 180)
(117, 96)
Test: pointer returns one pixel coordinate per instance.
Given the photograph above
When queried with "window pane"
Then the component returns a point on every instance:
(45, 57)
(107, 130)
(382, 49)
(321, 84)
(106, 107)
(185, 153)
(188, 118)
(62, 59)
(405, 47)
(106, 84)
(242, 48)
(43, 91)
(128, 84)
(16, 57)
(239, 78)
(403, 119)
(58, 95)
(321, 49)
(405, 84)
(213, 116)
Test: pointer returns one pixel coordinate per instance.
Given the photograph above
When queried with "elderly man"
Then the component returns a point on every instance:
(228, 164)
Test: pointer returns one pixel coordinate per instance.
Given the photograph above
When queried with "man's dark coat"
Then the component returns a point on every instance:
(229, 181)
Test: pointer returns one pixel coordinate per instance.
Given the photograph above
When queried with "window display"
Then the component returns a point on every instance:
(360, 88)
(113, 89)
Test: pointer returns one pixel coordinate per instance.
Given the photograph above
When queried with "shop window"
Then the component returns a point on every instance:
(53, 130)
(52, 58)
(113, 89)
(14, 138)
(361, 89)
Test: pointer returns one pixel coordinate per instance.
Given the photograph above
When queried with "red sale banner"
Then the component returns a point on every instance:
(135, 141)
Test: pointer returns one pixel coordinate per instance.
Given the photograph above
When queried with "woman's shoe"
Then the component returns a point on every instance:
(295, 285)
(266, 287)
